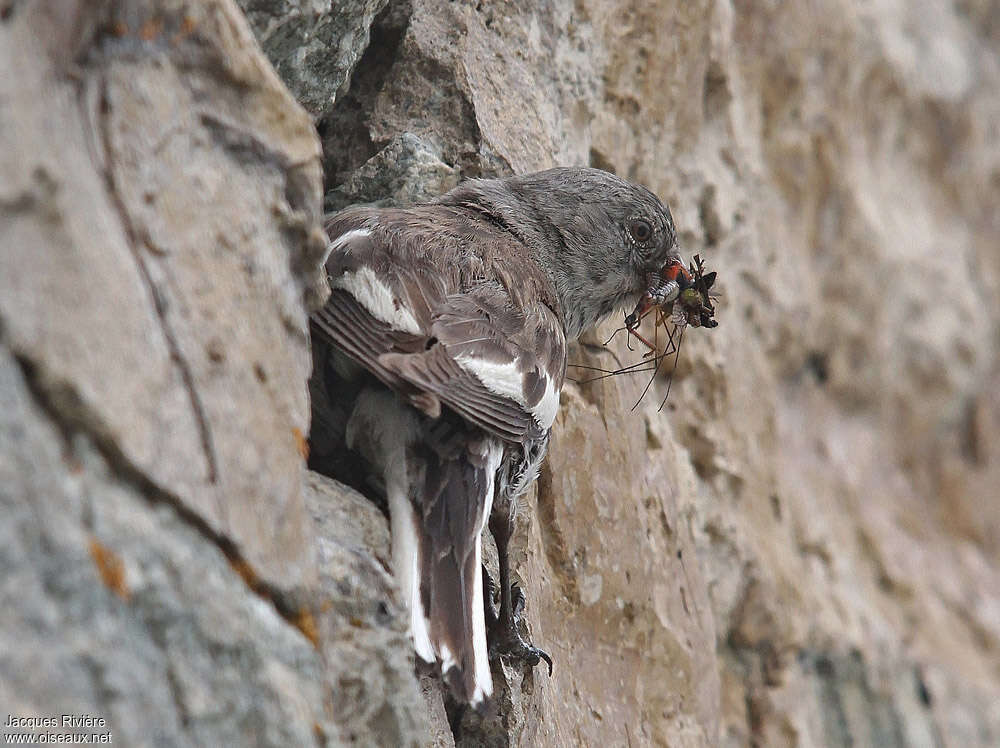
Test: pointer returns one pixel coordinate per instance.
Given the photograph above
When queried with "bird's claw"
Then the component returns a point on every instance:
(511, 645)
(506, 641)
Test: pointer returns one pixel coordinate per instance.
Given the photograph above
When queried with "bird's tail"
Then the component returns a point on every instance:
(439, 483)
(450, 499)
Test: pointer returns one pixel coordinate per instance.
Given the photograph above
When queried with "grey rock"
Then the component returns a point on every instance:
(161, 237)
(405, 172)
(313, 45)
(370, 663)
(432, 689)
(117, 605)
(159, 244)
(800, 549)
(751, 565)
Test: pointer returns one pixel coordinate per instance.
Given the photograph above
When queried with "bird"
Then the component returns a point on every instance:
(439, 359)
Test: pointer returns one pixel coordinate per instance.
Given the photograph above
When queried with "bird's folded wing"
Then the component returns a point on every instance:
(498, 364)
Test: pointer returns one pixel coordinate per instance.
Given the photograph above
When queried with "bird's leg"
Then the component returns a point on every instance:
(489, 597)
(505, 638)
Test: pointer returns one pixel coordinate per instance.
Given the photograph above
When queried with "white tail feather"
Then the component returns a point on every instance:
(406, 561)
(484, 678)
(480, 653)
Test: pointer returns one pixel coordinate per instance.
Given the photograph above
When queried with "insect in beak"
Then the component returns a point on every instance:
(684, 279)
(680, 298)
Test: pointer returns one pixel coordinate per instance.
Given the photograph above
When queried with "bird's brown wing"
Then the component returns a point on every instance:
(403, 308)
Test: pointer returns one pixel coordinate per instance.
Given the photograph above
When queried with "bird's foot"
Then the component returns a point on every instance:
(489, 601)
(506, 640)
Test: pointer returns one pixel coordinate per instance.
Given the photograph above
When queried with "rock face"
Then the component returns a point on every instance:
(163, 569)
(801, 548)
(314, 47)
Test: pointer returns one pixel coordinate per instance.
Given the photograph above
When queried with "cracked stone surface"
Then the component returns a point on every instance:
(166, 331)
(165, 563)
(314, 45)
(115, 606)
(802, 548)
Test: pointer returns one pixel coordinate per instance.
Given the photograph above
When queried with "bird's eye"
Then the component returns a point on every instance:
(640, 230)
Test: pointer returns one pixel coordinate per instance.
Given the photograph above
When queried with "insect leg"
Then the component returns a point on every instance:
(670, 382)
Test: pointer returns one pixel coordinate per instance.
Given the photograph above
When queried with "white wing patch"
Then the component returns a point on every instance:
(545, 411)
(376, 297)
(343, 240)
(505, 380)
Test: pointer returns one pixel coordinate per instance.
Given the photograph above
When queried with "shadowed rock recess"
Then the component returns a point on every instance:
(802, 548)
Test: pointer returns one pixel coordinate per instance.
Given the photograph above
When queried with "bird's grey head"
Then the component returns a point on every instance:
(601, 239)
